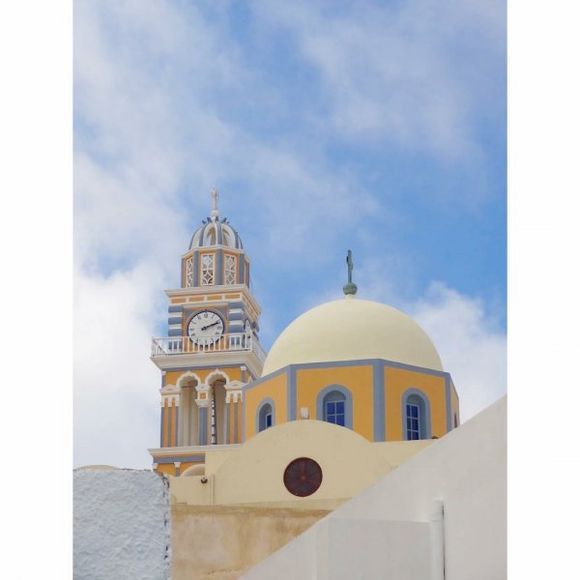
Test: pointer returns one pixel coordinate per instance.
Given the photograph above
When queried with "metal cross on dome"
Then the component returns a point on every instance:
(350, 288)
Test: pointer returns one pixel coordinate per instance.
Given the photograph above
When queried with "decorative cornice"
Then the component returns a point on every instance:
(210, 359)
(236, 396)
(172, 399)
(216, 289)
(179, 452)
(169, 390)
(204, 249)
(233, 385)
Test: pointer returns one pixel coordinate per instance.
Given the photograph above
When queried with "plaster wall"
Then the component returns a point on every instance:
(452, 495)
(121, 525)
(253, 472)
(223, 541)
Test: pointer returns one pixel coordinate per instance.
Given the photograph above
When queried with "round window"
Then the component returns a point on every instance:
(302, 477)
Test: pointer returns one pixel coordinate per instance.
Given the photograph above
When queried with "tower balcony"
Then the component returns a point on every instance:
(168, 346)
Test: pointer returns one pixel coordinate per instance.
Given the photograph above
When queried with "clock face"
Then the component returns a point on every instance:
(205, 328)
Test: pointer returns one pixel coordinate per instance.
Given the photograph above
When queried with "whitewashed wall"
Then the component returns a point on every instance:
(121, 525)
(394, 530)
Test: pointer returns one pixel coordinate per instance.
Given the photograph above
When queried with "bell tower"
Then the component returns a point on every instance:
(211, 349)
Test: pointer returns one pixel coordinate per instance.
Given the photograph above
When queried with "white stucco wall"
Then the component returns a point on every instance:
(394, 530)
(121, 525)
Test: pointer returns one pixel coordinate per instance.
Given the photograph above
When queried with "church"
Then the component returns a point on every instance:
(351, 382)
(338, 454)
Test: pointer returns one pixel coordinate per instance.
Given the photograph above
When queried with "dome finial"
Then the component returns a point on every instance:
(350, 288)
(215, 196)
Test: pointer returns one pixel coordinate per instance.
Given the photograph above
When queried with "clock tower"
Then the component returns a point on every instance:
(211, 349)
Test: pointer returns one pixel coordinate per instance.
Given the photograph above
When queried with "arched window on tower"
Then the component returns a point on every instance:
(211, 235)
(207, 269)
(265, 416)
(416, 417)
(189, 272)
(230, 269)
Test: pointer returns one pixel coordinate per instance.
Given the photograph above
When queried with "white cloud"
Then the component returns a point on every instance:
(413, 73)
(116, 397)
(139, 139)
(470, 342)
(151, 141)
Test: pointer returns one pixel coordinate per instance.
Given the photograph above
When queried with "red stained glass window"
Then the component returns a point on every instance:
(302, 477)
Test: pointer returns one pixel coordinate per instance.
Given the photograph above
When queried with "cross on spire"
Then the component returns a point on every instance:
(215, 196)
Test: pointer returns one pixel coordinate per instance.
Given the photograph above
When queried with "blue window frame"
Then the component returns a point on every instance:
(414, 419)
(415, 415)
(266, 417)
(334, 408)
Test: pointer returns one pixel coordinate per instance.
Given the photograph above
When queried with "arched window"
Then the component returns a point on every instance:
(189, 272)
(335, 408)
(230, 269)
(265, 416)
(211, 236)
(188, 412)
(416, 416)
(334, 405)
(207, 269)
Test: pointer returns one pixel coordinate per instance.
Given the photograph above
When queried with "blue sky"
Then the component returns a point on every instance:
(376, 126)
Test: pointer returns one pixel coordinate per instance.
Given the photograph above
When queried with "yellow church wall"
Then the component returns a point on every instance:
(171, 377)
(166, 468)
(397, 381)
(357, 379)
(234, 373)
(455, 406)
(273, 388)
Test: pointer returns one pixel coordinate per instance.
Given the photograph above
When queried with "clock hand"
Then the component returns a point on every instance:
(210, 325)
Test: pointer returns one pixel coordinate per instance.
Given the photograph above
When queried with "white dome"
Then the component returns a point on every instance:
(216, 232)
(352, 329)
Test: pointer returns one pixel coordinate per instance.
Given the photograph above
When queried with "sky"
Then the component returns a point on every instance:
(374, 126)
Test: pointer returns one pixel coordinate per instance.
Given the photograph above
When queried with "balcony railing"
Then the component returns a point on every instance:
(172, 345)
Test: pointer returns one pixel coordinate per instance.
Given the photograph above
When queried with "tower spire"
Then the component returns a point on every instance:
(215, 196)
